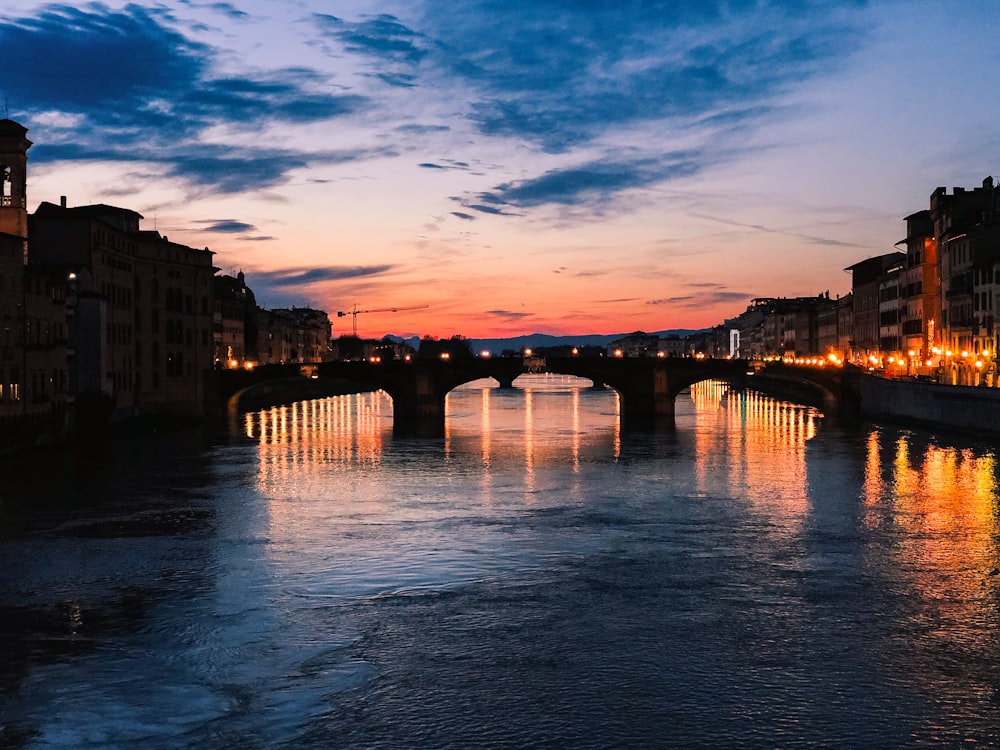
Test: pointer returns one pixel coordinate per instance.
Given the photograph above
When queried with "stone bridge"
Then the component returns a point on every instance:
(648, 387)
(836, 390)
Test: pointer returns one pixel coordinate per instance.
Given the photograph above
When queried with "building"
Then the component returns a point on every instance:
(234, 322)
(138, 306)
(672, 346)
(33, 376)
(965, 229)
(173, 324)
(637, 344)
(888, 312)
(309, 331)
(14, 147)
(919, 293)
(833, 321)
(867, 277)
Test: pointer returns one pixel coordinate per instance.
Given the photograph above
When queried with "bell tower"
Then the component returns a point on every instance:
(14, 146)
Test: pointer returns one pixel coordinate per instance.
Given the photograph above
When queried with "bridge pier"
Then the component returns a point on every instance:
(506, 381)
(418, 405)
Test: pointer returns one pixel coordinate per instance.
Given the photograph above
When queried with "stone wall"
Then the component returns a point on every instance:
(955, 407)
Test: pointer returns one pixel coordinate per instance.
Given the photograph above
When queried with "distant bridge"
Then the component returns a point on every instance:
(648, 387)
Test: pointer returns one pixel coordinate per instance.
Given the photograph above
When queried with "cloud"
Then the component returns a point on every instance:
(447, 165)
(463, 215)
(229, 10)
(380, 37)
(418, 129)
(226, 226)
(560, 74)
(570, 78)
(703, 299)
(484, 209)
(391, 49)
(590, 184)
(134, 87)
(508, 314)
(810, 238)
(215, 167)
(293, 277)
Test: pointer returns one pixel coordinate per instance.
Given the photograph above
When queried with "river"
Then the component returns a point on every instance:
(759, 577)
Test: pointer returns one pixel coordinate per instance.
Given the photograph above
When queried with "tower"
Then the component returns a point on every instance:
(14, 147)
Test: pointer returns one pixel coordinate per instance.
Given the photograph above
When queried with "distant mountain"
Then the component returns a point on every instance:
(541, 340)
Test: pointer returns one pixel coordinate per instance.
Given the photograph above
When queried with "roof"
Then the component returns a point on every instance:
(9, 128)
(885, 261)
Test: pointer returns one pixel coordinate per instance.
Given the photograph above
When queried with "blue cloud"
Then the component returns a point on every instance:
(393, 50)
(292, 277)
(448, 164)
(96, 58)
(132, 73)
(561, 73)
(227, 226)
(382, 37)
(592, 183)
(564, 74)
(562, 77)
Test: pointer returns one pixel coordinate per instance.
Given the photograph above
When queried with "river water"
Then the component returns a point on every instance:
(757, 578)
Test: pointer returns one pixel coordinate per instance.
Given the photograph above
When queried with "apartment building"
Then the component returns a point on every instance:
(919, 292)
(868, 284)
(139, 306)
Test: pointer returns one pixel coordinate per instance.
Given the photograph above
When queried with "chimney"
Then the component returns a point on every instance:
(62, 201)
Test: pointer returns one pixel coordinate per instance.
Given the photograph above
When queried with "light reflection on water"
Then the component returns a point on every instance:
(534, 578)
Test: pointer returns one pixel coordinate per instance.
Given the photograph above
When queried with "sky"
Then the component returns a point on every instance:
(494, 168)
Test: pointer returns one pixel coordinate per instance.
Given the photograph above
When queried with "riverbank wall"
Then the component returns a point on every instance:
(930, 405)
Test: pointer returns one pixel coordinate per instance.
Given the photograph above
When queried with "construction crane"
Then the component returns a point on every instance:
(354, 312)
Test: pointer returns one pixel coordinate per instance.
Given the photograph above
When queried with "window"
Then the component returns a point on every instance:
(5, 187)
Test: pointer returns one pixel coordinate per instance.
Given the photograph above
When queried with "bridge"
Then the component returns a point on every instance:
(836, 390)
(648, 387)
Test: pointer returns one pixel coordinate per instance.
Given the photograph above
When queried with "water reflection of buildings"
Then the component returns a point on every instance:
(933, 510)
(754, 445)
(942, 500)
